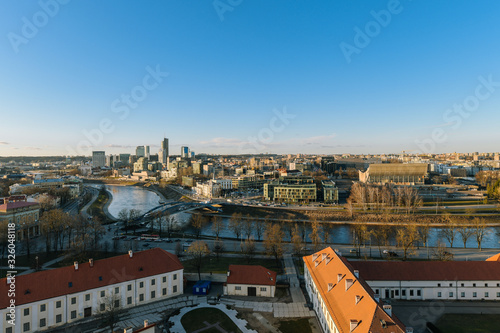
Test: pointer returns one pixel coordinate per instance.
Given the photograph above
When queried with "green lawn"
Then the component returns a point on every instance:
(295, 326)
(469, 323)
(221, 266)
(195, 320)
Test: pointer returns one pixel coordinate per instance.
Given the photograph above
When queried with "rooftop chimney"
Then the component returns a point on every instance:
(339, 277)
(76, 265)
(388, 309)
(356, 273)
(146, 323)
(128, 330)
(348, 283)
(354, 324)
(130, 253)
(91, 262)
(228, 273)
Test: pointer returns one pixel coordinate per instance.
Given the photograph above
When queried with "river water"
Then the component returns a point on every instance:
(133, 197)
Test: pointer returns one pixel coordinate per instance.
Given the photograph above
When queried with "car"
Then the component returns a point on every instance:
(385, 251)
(392, 254)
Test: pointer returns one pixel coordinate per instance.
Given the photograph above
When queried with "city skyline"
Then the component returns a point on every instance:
(252, 77)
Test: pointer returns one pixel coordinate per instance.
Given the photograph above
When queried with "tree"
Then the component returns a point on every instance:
(259, 227)
(423, 232)
(108, 309)
(314, 235)
(296, 240)
(439, 252)
(178, 249)
(479, 227)
(197, 222)
(248, 249)
(247, 226)
(218, 248)
(235, 224)
(408, 197)
(273, 241)
(449, 229)
(170, 224)
(217, 226)
(465, 233)
(325, 229)
(361, 235)
(406, 237)
(381, 235)
(197, 252)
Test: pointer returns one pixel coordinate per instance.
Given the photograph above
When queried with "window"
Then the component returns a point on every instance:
(129, 300)
(141, 284)
(164, 291)
(8, 330)
(175, 289)
(70, 284)
(439, 284)
(73, 314)
(117, 290)
(164, 279)
(498, 294)
(396, 292)
(486, 294)
(129, 287)
(451, 294)
(43, 322)
(141, 297)
(87, 297)
(486, 285)
(42, 308)
(58, 304)
(26, 327)
(411, 292)
(175, 276)
(237, 288)
(58, 318)
(153, 294)
(73, 300)
(117, 303)
(419, 292)
(498, 284)
(27, 311)
(263, 289)
(103, 293)
(473, 284)
(439, 294)
(102, 307)
(403, 292)
(462, 294)
(474, 294)
(451, 284)
(462, 285)
(153, 282)
(377, 291)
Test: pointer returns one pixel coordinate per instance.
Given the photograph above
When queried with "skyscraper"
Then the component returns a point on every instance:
(163, 153)
(139, 151)
(98, 159)
(185, 152)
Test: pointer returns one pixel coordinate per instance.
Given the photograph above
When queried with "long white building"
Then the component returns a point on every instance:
(55, 297)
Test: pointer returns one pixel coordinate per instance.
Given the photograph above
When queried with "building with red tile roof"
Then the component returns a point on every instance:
(54, 297)
(342, 300)
(16, 209)
(250, 280)
(432, 280)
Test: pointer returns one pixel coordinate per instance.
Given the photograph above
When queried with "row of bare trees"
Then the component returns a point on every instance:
(368, 196)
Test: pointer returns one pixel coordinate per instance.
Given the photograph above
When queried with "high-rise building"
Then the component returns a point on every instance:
(146, 152)
(163, 153)
(185, 152)
(98, 159)
(139, 151)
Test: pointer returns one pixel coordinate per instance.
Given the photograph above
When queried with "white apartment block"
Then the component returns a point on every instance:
(48, 299)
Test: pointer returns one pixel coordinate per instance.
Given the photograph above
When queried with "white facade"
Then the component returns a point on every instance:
(245, 289)
(49, 313)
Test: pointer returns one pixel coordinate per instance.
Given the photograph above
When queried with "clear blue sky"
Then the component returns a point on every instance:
(226, 76)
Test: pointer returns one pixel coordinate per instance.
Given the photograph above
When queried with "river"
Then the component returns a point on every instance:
(133, 197)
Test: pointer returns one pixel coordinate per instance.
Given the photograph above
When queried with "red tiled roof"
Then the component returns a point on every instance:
(55, 282)
(428, 270)
(13, 205)
(251, 274)
(350, 298)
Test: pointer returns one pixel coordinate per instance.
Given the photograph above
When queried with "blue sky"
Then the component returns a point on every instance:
(234, 65)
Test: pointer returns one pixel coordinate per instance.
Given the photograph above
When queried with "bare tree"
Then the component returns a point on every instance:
(259, 227)
(439, 252)
(480, 230)
(314, 235)
(361, 234)
(296, 240)
(465, 233)
(235, 224)
(248, 249)
(197, 222)
(273, 241)
(247, 226)
(449, 229)
(406, 237)
(108, 310)
(197, 252)
(217, 226)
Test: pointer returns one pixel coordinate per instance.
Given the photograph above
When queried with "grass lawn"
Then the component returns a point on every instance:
(220, 266)
(295, 326)
(194, 320)
(469, 323)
